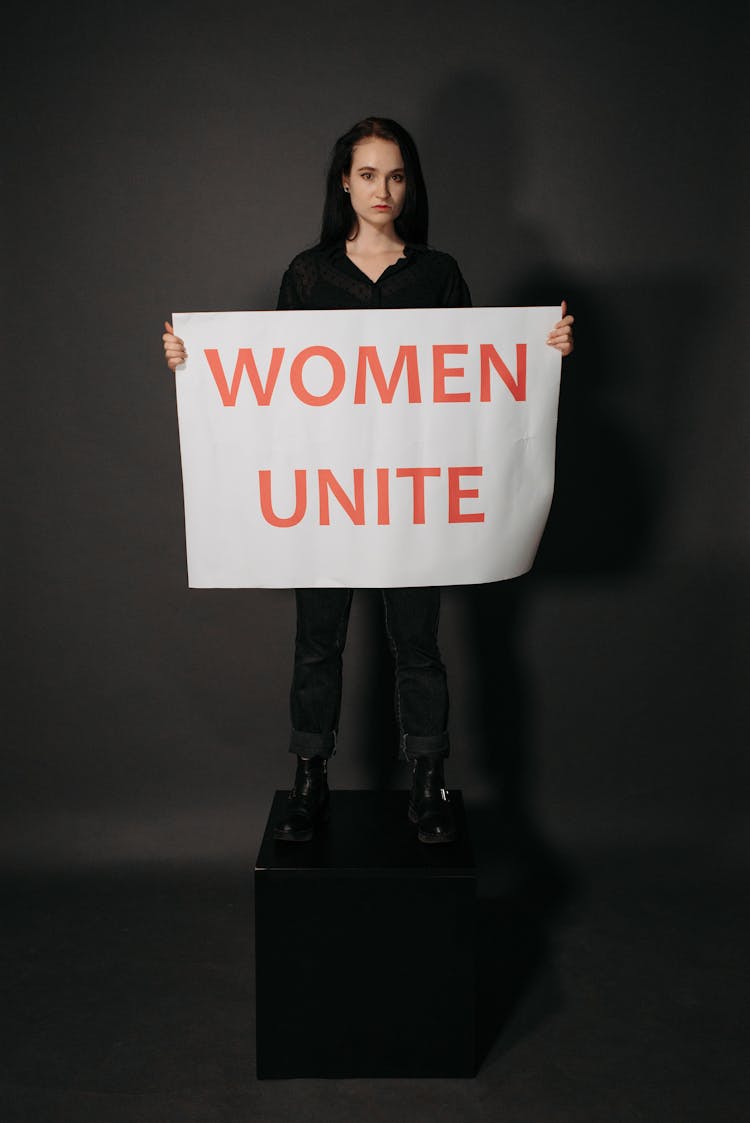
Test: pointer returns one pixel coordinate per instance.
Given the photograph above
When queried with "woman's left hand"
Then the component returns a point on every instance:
(561, 335)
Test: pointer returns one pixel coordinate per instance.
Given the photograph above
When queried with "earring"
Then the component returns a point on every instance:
(346, 189)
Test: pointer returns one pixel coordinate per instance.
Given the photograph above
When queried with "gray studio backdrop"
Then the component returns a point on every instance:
(171, 157)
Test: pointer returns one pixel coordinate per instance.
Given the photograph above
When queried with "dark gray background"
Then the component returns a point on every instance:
(171, 157)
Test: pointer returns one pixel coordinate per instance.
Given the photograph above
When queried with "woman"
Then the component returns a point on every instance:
(372, 253)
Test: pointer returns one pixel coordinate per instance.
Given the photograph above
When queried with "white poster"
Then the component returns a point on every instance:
(366, 448)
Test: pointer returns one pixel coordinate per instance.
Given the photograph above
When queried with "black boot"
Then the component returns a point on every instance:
(308, 804)
(429, 803)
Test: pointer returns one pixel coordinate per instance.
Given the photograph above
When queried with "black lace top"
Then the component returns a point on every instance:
(324, 277)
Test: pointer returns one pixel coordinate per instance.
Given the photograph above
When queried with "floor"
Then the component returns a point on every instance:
(613, 989)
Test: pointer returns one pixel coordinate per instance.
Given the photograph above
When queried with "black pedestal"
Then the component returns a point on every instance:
(365, 946)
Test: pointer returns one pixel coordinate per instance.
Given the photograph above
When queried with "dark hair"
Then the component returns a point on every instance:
(338, 215)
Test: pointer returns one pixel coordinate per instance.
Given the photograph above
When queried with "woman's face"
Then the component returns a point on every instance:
(376, 182)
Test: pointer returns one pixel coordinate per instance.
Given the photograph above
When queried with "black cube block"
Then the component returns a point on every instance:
(365, 946)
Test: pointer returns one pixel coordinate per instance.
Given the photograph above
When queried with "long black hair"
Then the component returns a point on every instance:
(339, 218)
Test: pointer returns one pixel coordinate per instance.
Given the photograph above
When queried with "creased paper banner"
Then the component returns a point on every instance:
(366, 448)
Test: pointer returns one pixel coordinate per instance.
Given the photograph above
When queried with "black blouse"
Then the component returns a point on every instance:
(324, 277)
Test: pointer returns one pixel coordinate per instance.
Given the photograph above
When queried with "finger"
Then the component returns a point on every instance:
(564, 327)
(564, 307)
(173, 346)
(169, 327)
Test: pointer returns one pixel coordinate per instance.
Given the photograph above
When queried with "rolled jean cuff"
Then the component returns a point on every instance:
(435, 745)
(312, 744)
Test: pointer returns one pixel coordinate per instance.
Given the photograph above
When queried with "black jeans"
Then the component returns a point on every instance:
(411, 621)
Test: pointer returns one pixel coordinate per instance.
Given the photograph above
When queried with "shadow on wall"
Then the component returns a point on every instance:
(620, 392)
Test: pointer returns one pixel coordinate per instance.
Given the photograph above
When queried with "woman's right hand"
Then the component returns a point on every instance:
(174, 348)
